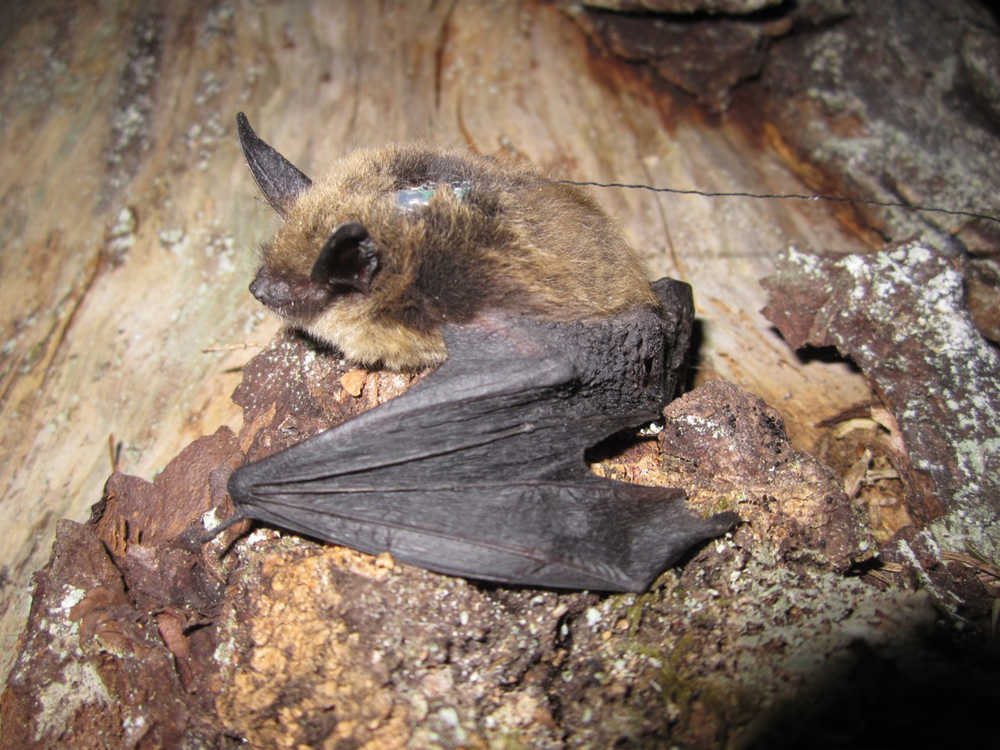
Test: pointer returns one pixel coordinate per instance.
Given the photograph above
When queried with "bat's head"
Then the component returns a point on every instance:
(344, 267)
(395, 242)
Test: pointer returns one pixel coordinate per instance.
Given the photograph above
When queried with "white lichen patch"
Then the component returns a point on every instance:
(901, 315)
(210, 519)
(703, 426)
(121, 235)
(811, 617)
(133, 729)
(170, 237)
(61, 629)
(808, 262)
(72, 597)
(80, 686)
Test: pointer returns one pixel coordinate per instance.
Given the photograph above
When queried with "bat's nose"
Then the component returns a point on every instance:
(289, 295)
(273, 291)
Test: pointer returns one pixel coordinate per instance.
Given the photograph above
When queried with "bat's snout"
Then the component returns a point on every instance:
(289, 295)
(271, 290)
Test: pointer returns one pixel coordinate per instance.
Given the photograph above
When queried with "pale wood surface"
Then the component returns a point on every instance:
(108, 107)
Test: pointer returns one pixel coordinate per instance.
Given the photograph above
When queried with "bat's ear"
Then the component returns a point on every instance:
(278, 179)
(349, 258)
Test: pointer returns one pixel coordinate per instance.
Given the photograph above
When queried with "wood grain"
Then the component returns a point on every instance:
(129, 223)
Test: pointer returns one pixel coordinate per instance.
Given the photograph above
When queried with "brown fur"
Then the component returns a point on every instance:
(515, 242)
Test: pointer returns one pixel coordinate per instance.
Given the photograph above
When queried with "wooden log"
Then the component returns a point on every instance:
(129, 221)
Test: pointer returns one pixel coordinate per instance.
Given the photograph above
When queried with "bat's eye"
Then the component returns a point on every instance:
(348, 259)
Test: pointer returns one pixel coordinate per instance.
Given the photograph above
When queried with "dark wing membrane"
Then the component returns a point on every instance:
(478, 470)
(593, 534)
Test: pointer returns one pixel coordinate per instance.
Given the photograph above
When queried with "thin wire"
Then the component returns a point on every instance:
(786, 196)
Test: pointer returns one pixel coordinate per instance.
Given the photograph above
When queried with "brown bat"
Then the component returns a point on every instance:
(547, 339)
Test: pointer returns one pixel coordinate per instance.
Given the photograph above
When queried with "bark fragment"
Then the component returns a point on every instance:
(140, 637)
(900, 315)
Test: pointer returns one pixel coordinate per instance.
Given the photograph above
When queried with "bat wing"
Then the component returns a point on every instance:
(478, 470)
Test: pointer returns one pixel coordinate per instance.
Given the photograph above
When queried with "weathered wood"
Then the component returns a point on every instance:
(129, 221)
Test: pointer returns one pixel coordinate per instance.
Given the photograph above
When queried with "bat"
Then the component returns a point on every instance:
(545, 336)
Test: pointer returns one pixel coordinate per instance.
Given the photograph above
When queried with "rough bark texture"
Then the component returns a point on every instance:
(683, 6)
(140, 637)
(704, 55)
(725, 446)
(128, 227)
(900, 314)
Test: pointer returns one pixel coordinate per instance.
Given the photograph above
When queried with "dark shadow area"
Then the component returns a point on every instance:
(941, 689)
(317, 345)
(766, 14)
(694, 358)
(613, 446)
(991, 7)
(824, 354)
